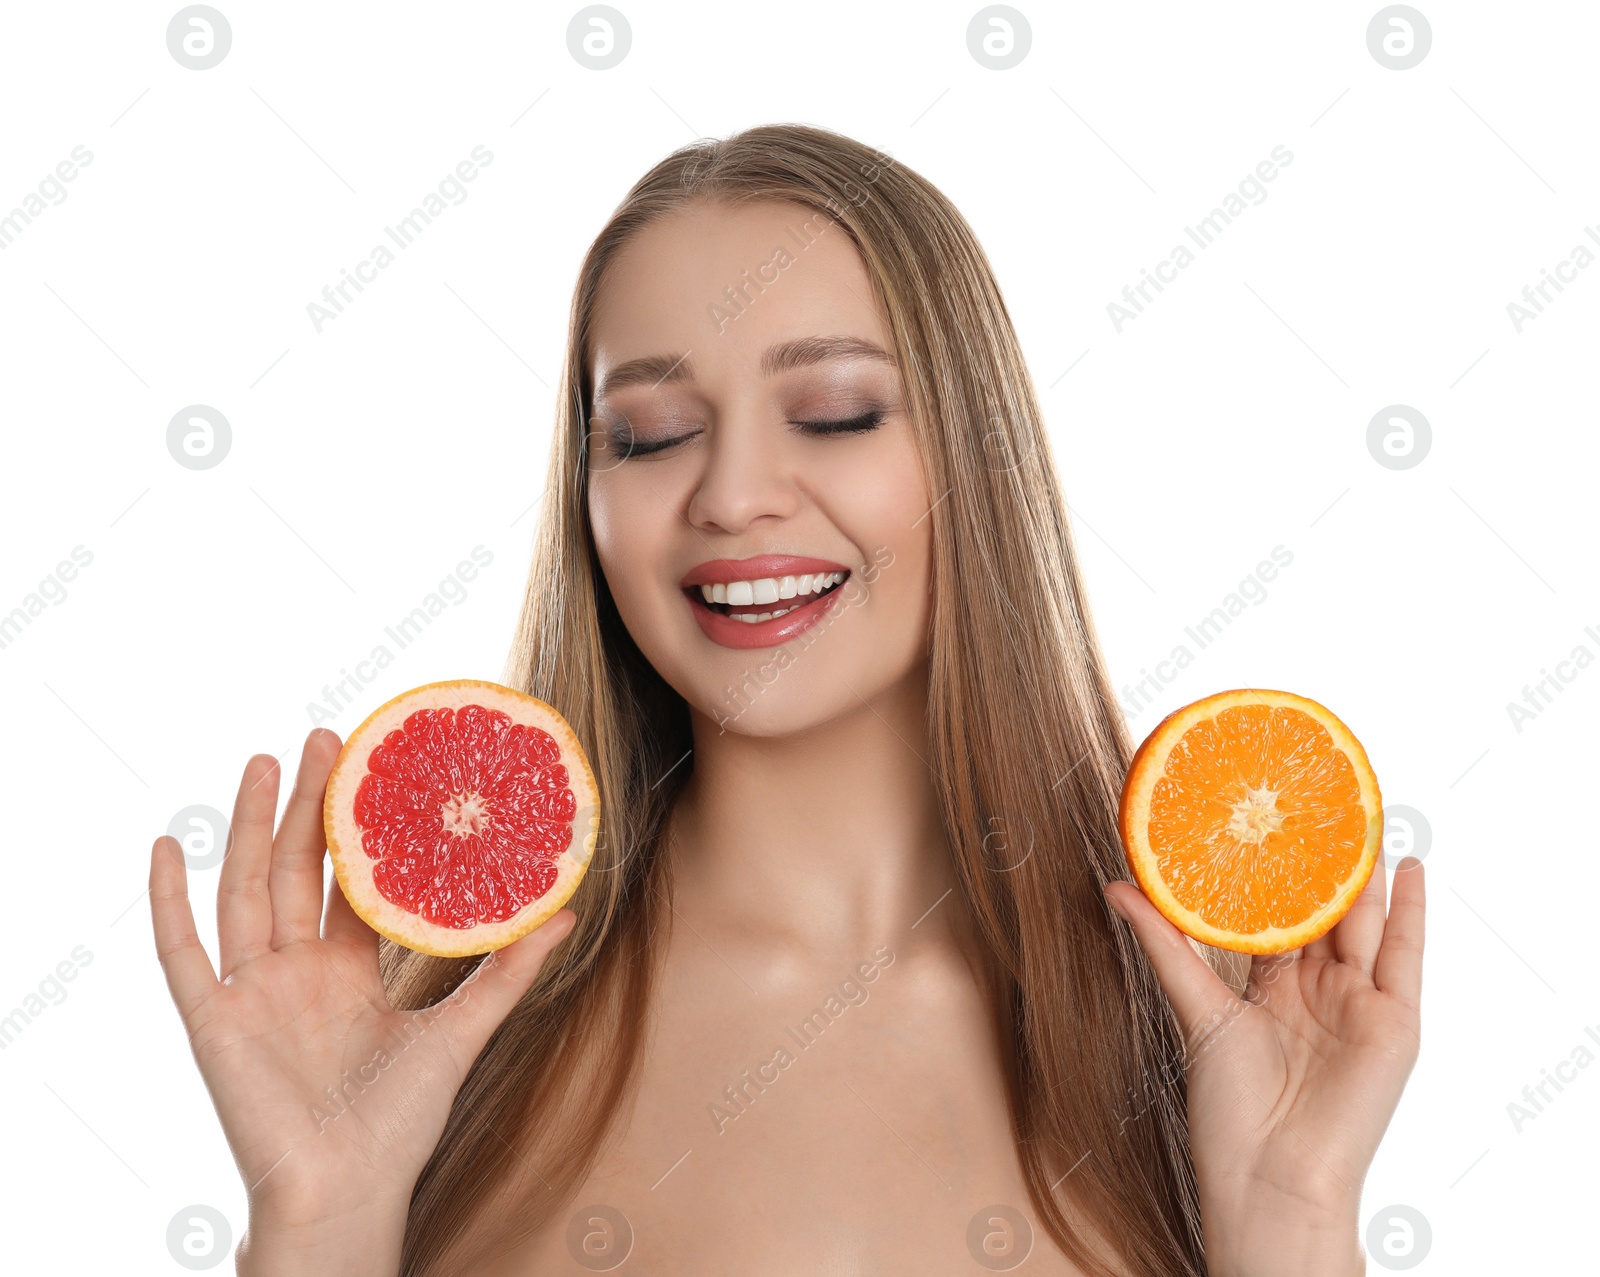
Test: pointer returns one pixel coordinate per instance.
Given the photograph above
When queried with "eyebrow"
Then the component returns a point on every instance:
(654, 370)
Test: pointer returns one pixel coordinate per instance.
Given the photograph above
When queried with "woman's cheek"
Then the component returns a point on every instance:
(619, 563)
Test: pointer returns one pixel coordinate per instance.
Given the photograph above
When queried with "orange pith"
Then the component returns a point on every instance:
(1252, 819)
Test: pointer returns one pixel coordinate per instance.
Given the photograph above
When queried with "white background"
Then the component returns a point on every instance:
(369, 459)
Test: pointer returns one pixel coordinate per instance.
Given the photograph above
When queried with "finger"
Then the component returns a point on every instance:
(183, 958)
(1399, 966)
(244, 908)
(1357, 935)
(295, 880)
(484, 999)
(341, 923)
(1191, 985)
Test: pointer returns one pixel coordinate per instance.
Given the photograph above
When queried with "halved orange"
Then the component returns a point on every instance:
(1252, 819)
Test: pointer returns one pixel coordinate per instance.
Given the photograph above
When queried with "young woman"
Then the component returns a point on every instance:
(856, 983)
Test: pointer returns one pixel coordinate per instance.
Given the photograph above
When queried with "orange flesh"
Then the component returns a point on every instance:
(1257, 818)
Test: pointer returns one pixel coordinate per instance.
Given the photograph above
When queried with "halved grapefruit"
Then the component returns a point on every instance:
(459, 816)
(1252, 819)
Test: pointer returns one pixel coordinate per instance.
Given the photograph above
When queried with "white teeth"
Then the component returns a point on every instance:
(768, 589)
(816, 583)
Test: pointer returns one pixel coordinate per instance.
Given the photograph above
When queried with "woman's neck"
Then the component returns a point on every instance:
(824, 842)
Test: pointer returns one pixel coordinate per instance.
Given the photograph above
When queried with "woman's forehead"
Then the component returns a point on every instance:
(726, 283)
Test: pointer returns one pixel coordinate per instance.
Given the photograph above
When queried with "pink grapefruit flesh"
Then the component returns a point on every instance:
(459, 816)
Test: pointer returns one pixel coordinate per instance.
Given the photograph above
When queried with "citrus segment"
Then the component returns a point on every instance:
(1252, 819)
(459, 816)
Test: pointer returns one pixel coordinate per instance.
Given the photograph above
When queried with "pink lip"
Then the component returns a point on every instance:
(714, 571)
(727, 632)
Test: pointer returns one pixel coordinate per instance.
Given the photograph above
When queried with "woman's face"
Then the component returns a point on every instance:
(725, 341)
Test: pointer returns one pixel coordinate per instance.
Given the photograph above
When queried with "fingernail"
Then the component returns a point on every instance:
(1116, 907)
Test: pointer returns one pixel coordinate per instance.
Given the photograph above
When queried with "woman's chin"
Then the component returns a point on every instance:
(768, 715)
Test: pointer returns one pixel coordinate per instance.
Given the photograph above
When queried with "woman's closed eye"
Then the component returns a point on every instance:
(627, 446)
(869, 420)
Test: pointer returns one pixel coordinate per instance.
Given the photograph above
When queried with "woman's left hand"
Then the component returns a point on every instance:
(1292, 1086)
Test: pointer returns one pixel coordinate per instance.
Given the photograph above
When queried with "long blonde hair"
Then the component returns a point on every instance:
(1024, 733)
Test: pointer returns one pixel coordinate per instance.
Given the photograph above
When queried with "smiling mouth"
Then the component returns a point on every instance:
(765, 599)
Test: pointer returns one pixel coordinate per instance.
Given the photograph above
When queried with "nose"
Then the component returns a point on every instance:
(745, 474)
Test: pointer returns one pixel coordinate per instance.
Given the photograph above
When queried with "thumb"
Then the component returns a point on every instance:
(477, 1006)
(1192, 986)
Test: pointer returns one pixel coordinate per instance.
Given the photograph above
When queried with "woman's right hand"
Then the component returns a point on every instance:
(331, 1099)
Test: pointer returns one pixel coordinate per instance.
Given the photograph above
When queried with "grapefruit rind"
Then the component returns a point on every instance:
(352, 865)
(1147, 767)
